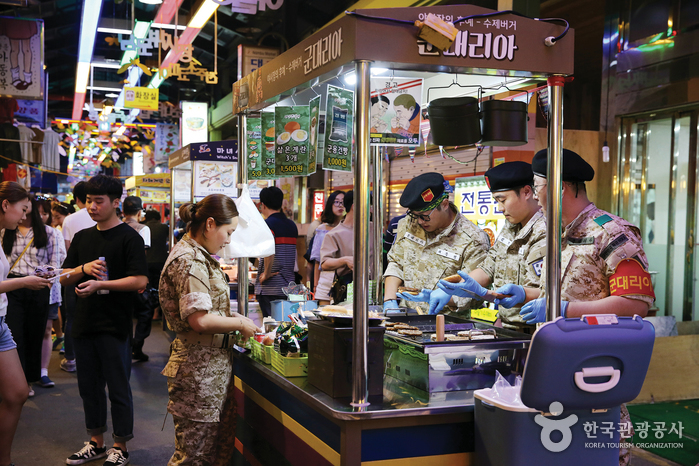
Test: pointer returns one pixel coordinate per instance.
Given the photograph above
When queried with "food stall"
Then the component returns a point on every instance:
(411, 419)
(154, 190)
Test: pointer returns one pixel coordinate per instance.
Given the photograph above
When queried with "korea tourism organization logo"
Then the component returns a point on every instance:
(557, 434)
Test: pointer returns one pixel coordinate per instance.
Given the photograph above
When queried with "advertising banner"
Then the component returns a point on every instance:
(475, 202)
(143, 98)
(194, 122)
(21, 58)
(339, 124)
(395, 111)
(167, 141)
(267, 130)
(253, 153)
(314, 125)
(291, 154)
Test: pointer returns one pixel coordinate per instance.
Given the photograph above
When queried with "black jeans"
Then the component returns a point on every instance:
(69, 304)
(27, 313)
(105, 360)
(144, 321)
(266, 303)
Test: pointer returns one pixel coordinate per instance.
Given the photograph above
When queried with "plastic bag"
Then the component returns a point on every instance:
(504, 391)
(252, 238)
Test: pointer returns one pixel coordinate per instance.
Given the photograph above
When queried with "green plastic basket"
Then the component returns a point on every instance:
(261, 352)
(290, 367)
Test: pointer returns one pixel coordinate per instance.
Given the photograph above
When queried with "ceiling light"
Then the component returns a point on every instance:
(113, 30)
(180, 27)
(81, 77)
(201, 17)
(111, 95)
(88, 31)
(376, 70)
(351, 78)
(151, 2)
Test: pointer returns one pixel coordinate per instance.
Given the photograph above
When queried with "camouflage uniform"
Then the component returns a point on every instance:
(591, 248)
(421, 259)
(200, 384)
(517, 257)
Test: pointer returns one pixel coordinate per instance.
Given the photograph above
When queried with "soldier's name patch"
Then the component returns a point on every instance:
(614, 245)
(537, 266)
(630, 278)
(448, 254)
(582, 241)
(415, 239)
(504, 240)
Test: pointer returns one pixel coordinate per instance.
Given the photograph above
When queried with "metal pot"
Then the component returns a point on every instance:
(504, 123)
(455, 121)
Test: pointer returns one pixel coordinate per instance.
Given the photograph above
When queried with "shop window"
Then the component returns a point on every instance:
(648, 18)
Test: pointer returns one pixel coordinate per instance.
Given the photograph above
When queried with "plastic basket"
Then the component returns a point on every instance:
(261, 352)
(290, 367)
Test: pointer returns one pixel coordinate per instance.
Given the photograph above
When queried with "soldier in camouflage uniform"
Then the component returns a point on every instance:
(604, 269)
(433, 242)
(515, 260)
(195, 300)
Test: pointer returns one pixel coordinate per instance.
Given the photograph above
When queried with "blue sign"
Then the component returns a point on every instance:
(216, 151)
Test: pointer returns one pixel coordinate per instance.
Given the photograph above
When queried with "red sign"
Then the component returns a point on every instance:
(318, 204)
(630, 278)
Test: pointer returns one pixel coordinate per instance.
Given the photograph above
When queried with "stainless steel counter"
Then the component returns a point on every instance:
(399, 398)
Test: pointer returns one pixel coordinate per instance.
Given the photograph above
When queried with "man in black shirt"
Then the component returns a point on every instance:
(108, 263)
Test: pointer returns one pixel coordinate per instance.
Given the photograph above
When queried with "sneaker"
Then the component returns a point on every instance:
(31, 391)
(62, 350)
(45, 382)
(68, 366)
(87, 453)
(58, 343)
(117, 457)
(139, 356)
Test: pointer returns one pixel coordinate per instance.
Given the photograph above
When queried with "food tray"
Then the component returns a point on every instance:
(261, 352)
(346, 321)
(290, 367)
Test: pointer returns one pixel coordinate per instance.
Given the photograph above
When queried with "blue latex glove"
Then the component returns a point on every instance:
(462, 289)
(438, 299)
(390, 304)
(421, 297)
(534, 312)
(517, 292)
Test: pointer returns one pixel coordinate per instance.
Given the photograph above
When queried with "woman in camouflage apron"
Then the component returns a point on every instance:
(195, 300)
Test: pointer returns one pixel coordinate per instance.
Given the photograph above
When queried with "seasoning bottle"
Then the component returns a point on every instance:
(104, 279)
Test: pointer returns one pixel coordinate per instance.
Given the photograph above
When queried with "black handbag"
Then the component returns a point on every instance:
(338, 290)
(149, 297)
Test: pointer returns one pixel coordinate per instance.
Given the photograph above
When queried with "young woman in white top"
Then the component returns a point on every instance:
(14, 203)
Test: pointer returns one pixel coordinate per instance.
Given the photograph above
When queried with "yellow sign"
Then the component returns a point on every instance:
(474, 200)
(151, 196)
(159, 180)
(143, 98)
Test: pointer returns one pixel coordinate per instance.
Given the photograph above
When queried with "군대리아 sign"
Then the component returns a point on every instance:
(339, 121)
(291, 151)
(143, 98)
(253, 153)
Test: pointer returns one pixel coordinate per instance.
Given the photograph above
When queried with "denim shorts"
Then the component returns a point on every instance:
(6, 341)
(53, 311)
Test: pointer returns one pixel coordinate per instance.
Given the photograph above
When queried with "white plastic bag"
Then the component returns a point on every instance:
(252, 238)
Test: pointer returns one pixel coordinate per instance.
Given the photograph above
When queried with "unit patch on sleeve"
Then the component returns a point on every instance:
(537, 266)
(611, 247)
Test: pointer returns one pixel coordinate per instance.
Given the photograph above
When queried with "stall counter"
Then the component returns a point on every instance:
(288, 421)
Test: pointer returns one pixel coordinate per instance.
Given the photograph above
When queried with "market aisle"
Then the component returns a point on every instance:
(52, 425)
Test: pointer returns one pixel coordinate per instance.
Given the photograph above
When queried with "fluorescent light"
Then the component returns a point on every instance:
(113, 30)
(151, 2)
(141, 28)
(106, 64)
(351, 78)
(88, 29)
(180, 27)
(112, 95)
(376, 71)
(103, 88)
(203, 14)
(81, 77)
(156, 81)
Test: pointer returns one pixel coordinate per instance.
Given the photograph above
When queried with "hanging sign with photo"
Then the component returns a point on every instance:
(395, 111)
(292, 126)
(314, 116)
(267, 132)
(339, 121)
(253, 154)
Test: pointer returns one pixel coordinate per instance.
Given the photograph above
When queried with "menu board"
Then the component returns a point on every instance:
(339, 121)
(183, 185)
(253, 154)
(215, 178)
(291, 154)
(267, 133)
(314, 118)
(395, 111)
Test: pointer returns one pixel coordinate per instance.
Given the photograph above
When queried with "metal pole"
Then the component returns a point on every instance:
(242, 179)
(172, 208)
(377, 230)
(553, 206)
(360, 330)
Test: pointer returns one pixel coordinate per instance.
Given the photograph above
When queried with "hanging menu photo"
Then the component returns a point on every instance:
(291, 154)
(267, 133)
(314, 115)
(395, 111)
(254, 148)
(339, 121)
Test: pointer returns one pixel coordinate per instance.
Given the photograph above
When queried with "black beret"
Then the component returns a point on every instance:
(508, 176)
(422, 191)
(575, 169)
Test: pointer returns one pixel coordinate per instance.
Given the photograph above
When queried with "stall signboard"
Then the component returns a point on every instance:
(157, 180)
(31, 112)
(255, 186)
(252, 57)
(339, 124)
(183, 185)
(475, 202)
(267, 131)
(218, 151)
(253, 153)
(22, 58)
(395, 111)
(313, 131)
(151, 196)
(194, 122)
(318, 204)
(215, 178)
(143, 98)
(167, 141)
(291, 154)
